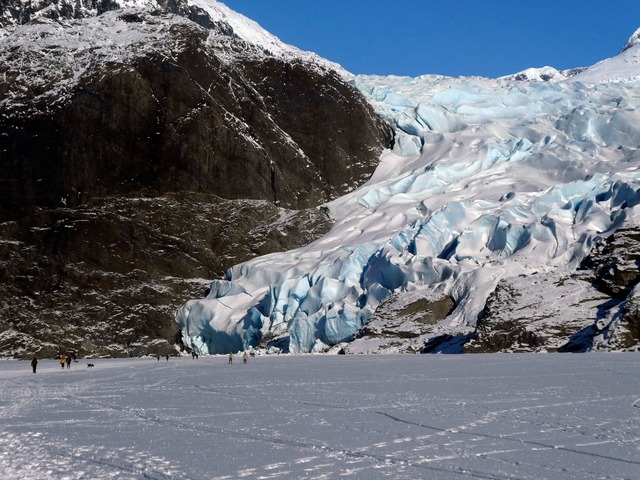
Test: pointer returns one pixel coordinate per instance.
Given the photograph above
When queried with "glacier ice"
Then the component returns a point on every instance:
(486, 179)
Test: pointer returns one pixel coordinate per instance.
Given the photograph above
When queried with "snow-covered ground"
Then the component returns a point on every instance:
(500, 416)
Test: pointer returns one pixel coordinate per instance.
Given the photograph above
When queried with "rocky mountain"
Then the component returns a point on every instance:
(153, 151)
(544, 74)
(145, 146)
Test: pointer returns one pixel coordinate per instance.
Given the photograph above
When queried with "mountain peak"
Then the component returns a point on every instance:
(543, 74)
(633, 40)
(209, 14)
(625, 65)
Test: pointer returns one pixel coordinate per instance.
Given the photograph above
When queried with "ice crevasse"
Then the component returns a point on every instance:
(486, 179)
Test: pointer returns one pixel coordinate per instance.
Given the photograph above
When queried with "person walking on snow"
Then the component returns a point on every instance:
(34, 364)
(244, 357)
(230, 358)
(62, 362)
(69, 362)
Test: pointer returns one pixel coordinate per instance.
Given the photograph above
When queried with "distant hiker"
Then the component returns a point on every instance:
(167, 357)
(245, 357)
(230, 358)
(158, 356)
(68, 362)
(34, 364)
(62, 362)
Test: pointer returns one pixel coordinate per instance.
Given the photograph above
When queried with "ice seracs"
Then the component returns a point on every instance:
(487, 179)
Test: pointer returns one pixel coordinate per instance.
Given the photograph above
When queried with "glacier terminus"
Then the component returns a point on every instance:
(487, 180)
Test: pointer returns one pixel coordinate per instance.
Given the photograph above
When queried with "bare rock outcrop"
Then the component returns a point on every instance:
(528, 313)
(144, 152)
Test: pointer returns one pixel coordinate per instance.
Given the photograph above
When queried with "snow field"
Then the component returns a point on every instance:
(311, 417)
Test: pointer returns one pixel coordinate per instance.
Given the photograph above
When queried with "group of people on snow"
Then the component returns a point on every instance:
(66, 360)
(245, 357)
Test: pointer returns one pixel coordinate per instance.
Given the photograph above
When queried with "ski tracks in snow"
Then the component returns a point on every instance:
(313, 418)
(33, 456)
(28, 453)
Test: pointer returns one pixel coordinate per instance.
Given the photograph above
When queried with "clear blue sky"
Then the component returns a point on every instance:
(450, 37)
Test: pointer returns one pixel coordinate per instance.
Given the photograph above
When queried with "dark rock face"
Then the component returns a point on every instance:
(502, 328)
(189, 123)
(628, 333)
(106, 279)
(614, 263)
(128, 171)
(332, 125)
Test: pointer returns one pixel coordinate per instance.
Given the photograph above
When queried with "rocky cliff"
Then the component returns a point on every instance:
(601, 296)
(144, 150)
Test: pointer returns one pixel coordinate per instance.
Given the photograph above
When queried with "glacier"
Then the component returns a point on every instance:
(486, 179)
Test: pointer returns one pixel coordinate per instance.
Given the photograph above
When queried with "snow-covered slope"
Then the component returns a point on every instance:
(487, 180)
(633, 40)
(544, 74)
(252, 33)
(622, 67)
(206, 12)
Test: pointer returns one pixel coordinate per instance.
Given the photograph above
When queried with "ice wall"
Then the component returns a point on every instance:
(486, 179)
